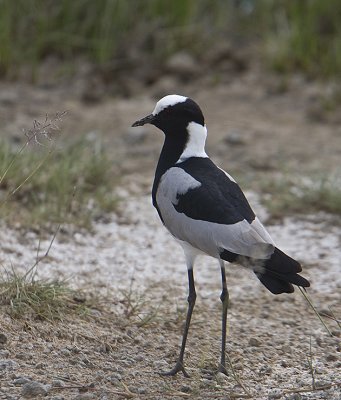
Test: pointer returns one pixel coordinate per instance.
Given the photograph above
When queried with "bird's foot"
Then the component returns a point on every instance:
(222, 369)
(179, 367)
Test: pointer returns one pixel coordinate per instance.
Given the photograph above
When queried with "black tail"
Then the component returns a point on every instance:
(280, 273)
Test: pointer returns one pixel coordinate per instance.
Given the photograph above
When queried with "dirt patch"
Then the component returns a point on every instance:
(135, 333)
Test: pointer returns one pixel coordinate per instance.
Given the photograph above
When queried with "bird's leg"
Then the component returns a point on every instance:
(179, 366)
(224, 297)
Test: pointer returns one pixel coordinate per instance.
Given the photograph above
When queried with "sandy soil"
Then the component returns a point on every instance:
(132, 261)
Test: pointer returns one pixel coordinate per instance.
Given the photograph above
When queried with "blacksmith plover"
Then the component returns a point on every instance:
(207, 213)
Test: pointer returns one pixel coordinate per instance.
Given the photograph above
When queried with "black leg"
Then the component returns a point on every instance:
(179, 366)
(224, 297)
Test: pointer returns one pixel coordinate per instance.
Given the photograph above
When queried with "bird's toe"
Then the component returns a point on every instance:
(222, 369)
(179, 367)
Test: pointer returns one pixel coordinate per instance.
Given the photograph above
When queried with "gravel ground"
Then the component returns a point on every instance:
(138, 271)
(116, 353)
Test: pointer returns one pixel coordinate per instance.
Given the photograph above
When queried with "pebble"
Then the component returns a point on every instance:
(294, 396)
(331, 357)
(21, 381)
(4, 353)
(3, 339)
(33, 389)
(185, 389)
(57, 383)
(221, 378)
(234, 138)
(23, 356)
(115, 378)
(65, 352)
(336, 333)
(182, 64)
(275, 394)
(84, 396)
(319, 384)
(286, 349)
(161, 365)
(207, 383)
(7, 364)
(265, 370)
(136, 135)
(254, 342)
(141, 390)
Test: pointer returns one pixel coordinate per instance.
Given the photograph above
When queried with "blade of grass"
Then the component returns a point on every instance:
(305, 295)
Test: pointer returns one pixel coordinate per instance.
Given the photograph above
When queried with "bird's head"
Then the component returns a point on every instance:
(173, 113)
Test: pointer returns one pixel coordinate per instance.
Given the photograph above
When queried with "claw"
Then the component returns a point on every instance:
(222, 369)
(177, 368)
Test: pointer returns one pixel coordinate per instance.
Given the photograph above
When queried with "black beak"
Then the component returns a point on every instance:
(146, 120)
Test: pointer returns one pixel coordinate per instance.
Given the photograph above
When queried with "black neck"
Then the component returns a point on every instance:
(172, 149)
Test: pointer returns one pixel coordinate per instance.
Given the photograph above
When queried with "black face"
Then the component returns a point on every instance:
(175, 118)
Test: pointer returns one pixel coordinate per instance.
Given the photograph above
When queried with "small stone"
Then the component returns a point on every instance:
(294, 396)
(185, 389)
(20, 381)
(7, 364)
(286, 349)
(275, 394)
(161, 365)
(57, 383)
(141, 390)
(84, 396)
(207, 382)
(3, 339)
(254, 342)
(332, 357)
(265, 370)
(22, 356)
(136, 135)
(320, 384)
(115, 377)
(65, 352)
(284, 364)
(182, 64)
(221, 378)
(234, 138)
(4, 353)
(33, 389)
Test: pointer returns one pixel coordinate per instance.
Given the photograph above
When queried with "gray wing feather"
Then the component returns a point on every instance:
(251, 240)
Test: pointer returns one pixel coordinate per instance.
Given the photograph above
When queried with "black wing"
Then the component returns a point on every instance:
(218, 199)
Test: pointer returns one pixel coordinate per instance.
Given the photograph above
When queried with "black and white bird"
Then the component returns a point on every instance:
(207, 213)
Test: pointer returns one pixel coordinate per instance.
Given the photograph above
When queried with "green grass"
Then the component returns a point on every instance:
(305, 35)
(297, 34)
(66, 183)
(284, 195)
(23, 296)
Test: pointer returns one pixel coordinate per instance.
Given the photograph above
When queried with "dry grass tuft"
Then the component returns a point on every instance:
(21, 296)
